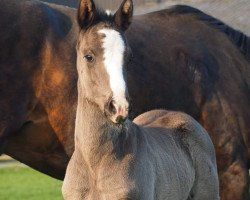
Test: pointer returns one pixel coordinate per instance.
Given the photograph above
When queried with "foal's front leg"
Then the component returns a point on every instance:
(76, 183)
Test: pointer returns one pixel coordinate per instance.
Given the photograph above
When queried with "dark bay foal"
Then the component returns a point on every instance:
(160, 155)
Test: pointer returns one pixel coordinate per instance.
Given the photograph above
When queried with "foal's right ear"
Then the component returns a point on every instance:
(86, 12)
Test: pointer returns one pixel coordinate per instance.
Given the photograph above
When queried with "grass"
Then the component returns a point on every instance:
(23, 183)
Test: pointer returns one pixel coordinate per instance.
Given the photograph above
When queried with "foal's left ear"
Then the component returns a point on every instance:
(123, 16)
(86, 12)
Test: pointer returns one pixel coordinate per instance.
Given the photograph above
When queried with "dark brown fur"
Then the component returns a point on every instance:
(181, 63)
(38, 84)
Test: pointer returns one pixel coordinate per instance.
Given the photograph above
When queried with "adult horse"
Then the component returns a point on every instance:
(160, 155)
(184, 60)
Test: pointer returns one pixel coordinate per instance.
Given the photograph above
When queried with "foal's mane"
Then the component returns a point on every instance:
(241, 40)
(100, 16)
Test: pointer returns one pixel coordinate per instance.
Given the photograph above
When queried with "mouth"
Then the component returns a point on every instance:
(121, 119)
(118, 119)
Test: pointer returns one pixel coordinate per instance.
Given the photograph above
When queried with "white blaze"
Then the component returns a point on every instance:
(114, 48)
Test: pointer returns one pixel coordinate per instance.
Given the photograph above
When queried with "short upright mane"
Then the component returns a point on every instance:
(104, 16)
(101, 15)
(241, 40)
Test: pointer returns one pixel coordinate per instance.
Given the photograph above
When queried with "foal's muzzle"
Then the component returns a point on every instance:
(117, 112)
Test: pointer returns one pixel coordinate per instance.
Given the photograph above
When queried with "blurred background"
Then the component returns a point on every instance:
(19, 182)
(235, 13)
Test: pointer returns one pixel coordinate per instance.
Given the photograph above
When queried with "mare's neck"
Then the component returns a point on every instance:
(96, 136)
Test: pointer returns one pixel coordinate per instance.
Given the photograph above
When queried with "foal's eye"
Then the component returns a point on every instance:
(89, 58)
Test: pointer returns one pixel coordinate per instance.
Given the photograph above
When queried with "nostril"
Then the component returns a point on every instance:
(112, 107)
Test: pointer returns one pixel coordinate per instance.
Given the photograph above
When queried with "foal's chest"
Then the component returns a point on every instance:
(114, 180)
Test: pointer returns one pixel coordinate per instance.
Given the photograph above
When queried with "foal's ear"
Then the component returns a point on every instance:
(86, 12)
(124, 14)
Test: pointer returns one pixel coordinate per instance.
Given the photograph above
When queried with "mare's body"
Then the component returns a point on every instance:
(181, 62)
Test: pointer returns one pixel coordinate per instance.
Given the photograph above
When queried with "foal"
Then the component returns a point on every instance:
(161, 155)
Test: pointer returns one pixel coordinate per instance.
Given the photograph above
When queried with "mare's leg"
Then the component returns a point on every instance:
(234, 183)
(37, 146)
(231, 152)
(232, 168)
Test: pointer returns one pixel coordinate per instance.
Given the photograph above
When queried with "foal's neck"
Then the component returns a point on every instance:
(96, 136)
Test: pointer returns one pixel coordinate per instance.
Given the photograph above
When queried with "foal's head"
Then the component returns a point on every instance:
(102, 54)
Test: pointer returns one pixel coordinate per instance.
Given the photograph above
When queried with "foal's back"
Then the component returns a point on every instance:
(179, 157)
